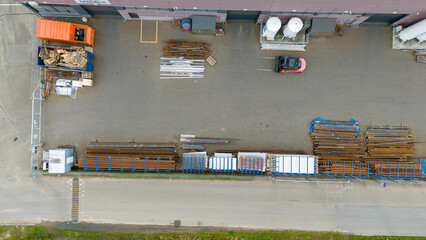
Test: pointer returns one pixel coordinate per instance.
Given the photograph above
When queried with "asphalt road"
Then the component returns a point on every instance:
(365, 208)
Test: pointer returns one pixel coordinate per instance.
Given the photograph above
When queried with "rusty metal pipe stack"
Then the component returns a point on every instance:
(129, 156)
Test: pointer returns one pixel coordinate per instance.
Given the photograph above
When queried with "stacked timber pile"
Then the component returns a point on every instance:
(183, 59)
(336, 140)
(389, 143)
(129, 156)
(76, 58)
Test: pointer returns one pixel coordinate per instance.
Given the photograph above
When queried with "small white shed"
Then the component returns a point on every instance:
(61, 160)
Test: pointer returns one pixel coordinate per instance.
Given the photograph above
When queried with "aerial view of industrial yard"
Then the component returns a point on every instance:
(220, 119)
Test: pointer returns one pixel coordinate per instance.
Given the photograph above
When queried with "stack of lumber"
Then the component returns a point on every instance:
(336, 140)
(187, 50)
(72, 58)
(389, 143)
(346, 168)
(129, 156)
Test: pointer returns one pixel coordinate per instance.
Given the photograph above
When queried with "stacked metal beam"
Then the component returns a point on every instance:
(389, 143)
(187, 50)
(183, 59)
(129, 156)
(336, 140)
(180, 68)
(345, 168)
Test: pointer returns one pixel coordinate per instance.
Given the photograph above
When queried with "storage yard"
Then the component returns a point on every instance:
(242, 123)
(231, 100)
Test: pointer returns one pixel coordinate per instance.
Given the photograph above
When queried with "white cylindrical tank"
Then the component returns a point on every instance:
(413, 31)
(293, 27)
(271, 28)
(422, 38)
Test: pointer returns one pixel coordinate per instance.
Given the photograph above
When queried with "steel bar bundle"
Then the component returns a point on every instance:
(345, 168)
(397, 169)
(185, 138)
(188, 50)
(388, 143)
(179, 68)
(336, 140)
(129, 156)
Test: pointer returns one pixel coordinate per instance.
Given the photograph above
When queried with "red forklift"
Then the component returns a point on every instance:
(286, 64)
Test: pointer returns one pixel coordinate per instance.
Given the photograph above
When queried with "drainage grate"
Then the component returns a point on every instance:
(75, 200)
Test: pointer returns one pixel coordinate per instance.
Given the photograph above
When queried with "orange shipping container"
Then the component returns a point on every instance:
(65, 32)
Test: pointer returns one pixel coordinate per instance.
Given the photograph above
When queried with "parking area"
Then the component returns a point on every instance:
(356, 75)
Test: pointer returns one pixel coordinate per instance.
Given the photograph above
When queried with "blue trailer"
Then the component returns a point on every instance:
(89, 64)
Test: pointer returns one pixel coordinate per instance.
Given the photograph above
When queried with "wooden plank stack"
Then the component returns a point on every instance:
(388, 143)
(336, 140)
(129, 156)
(70, 58)
(187, 50)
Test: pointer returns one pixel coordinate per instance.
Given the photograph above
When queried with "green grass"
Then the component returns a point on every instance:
(38, 232)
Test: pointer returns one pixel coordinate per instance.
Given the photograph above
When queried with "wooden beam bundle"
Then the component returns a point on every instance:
(388, 143)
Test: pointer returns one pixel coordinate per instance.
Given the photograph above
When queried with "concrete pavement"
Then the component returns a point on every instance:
(356, 75)
(355, 207)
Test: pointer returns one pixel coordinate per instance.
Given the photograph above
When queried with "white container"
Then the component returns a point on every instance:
(271, 28)
(222, 162)
(293, 27)
(295, 164)
(413, 31)
(60, 160)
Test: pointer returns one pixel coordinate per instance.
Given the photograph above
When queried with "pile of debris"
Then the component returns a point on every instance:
(186, 50)
(70, 58)
(183, 59)
(129, 156)
(389, 143)
(336, 140)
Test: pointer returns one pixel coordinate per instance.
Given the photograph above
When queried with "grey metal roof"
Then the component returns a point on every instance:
(204, 22)
(323, 25)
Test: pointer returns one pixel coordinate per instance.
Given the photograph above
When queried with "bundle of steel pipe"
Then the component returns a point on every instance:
(188, 50)
(349, 168)
(176, 68)
(129, 156)
(397, 169)
(388, 143)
